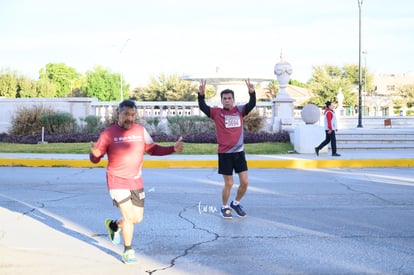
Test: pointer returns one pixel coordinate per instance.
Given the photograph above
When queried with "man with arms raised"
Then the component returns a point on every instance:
(230, 139)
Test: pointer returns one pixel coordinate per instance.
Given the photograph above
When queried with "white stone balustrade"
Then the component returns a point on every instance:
(164, 109)
(82, 107)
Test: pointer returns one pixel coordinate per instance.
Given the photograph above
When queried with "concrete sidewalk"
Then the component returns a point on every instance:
(349, 158)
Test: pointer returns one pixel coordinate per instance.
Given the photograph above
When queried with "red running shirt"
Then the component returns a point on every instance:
(229, 128)
(125, 149)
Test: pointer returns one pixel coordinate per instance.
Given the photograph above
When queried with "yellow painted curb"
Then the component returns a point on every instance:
(51, 163)
(291, 163)
(326, 163)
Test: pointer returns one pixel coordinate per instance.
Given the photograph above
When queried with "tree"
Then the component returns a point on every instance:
(404, 98)
(297, 83)
(77, 87)
(210, 92)
(45, 88)
(63, 77)
(180, 90)
(167, 88)
(8, 84)
(367, 81)
(326, 82)
(26, 87)
(103, 84)
(272, 89)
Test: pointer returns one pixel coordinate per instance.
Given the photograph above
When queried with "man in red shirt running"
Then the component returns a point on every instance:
(230, 139)
(125, 144)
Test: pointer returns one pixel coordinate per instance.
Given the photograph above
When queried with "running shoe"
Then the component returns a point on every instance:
(226, 213)
(128, 256)
(239, 210)
(114, 236)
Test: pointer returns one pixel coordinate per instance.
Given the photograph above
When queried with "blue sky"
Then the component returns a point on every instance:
(145, 38)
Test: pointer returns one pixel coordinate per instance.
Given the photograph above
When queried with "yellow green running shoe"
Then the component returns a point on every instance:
(114, 236)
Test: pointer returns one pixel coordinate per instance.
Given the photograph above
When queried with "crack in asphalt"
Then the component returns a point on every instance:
(187, 250)
(348, 187)
(326, 237)
(369, 178)
(377, 237)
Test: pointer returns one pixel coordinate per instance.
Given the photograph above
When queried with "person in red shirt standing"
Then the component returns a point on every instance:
(330, 129)
(125, 144)
(230, 139)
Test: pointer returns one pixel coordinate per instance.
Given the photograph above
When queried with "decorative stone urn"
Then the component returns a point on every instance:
(283, 71)
(283, 115)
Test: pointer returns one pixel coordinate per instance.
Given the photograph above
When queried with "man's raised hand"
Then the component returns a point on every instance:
(202, 87)
(250, 86)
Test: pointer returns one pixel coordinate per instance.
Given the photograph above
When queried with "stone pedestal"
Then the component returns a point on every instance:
(310, 135)
(283, 115)
(307, 137)
(283, 108)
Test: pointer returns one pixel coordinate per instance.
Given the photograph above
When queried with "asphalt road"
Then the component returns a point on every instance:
(300, 221)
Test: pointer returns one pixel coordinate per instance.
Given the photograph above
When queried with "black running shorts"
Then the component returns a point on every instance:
(228, 162)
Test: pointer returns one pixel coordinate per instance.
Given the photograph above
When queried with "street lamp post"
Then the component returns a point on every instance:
(121, 77)
(359, 70)
(365, 80)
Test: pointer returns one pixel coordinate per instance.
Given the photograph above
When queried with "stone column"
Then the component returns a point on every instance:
(283, 115)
